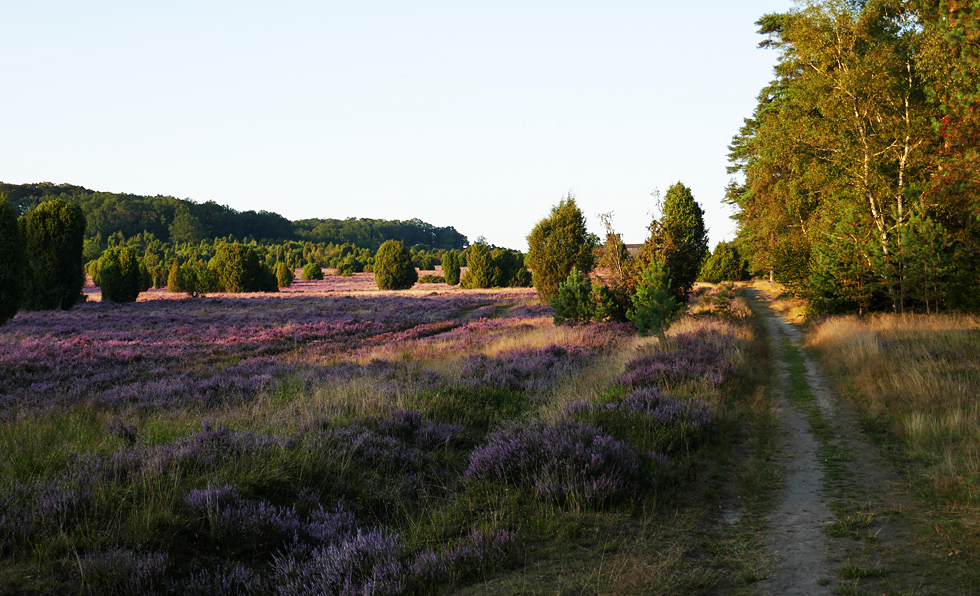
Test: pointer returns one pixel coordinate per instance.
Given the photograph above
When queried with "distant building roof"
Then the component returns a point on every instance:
(633, 249)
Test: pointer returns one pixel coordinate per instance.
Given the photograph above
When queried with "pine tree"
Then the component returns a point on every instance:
(573, 301)
(654, 305)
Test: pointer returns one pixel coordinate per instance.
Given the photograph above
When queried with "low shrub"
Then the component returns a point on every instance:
(312, 272)
(649, 420)
(568, 462)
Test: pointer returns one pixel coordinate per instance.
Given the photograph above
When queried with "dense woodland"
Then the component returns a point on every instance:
(860, 163)
(172, 220)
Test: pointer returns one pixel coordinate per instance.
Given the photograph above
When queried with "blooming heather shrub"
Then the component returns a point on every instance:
(125, 573)
(413, 429)
(368, 563)
(568, 462)
(231, 580)
(29, 511)
(210, 448)
(699, 356)
(467, 559)
(531, 371)
(234, 523)
(375, 471)
(649, 420)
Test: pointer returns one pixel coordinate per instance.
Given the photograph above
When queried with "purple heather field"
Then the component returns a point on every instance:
(172, 446)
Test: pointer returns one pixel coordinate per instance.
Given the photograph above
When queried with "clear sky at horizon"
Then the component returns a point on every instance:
(476, 116)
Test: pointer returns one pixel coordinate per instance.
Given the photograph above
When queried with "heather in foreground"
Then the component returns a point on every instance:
(371, 444)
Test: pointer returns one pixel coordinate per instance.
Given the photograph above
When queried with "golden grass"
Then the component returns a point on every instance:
(781, 300)
(921, 373)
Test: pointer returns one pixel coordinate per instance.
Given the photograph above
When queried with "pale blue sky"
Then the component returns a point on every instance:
(480, 116)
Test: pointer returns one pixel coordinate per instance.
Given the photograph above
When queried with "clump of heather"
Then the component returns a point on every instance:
(210, 448)
(701, 356)
(121, 572)
(467, 559)
(231, 580)
(367, 563)
(569, 462)
(28, 512)
(413, 429)
(383, 475)
(237, 524)
(649, 419)
(530, 371)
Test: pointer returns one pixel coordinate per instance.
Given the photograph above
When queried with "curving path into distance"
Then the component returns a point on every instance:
(804, 558)
(796, 538)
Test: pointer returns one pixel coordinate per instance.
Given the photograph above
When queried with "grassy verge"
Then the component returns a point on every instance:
(913, 381)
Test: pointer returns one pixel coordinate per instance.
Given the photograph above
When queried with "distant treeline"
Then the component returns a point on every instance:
(173, 220)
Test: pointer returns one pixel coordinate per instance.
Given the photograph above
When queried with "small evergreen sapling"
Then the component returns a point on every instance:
(573, 302)
(654, 306)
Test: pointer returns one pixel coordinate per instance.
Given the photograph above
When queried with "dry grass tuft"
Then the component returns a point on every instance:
(781, 300)
(921, 373)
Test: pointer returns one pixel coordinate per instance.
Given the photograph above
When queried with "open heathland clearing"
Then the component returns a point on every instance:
(336, 439)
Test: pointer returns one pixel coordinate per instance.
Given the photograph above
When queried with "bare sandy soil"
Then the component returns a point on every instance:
(804, 557)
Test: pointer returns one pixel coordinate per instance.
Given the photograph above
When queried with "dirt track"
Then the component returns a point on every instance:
(804, 557)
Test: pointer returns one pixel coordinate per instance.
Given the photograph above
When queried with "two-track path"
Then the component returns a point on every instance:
(804, 557)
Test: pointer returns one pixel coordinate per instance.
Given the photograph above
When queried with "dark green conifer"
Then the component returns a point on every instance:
(53, 234)
(393, 268)
(13, 261)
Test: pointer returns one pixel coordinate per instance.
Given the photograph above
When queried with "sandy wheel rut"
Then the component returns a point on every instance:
(804, 558)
